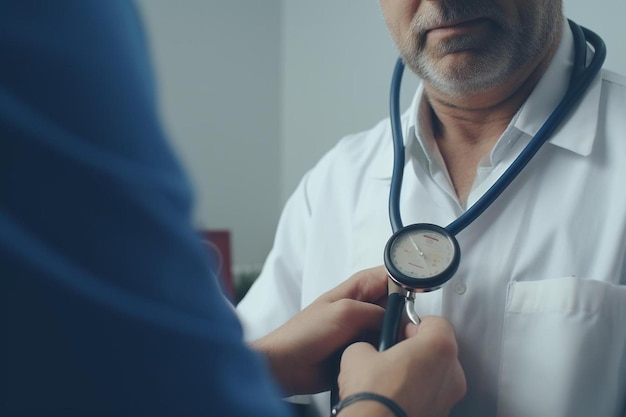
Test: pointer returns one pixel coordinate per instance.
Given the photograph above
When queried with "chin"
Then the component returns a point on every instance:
(461, 73)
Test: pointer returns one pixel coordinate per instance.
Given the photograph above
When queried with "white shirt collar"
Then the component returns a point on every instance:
(572, 135)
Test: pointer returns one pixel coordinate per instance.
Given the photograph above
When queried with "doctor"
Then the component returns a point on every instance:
(109, 306)
(539, 300)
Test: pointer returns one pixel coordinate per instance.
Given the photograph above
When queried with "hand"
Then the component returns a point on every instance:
(302, 352)
(422, 373)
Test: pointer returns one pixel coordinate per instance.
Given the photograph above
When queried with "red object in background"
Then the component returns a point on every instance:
(218, 244)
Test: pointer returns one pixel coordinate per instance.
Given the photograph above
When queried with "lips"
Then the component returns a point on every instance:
(476, 29)
(461, 23)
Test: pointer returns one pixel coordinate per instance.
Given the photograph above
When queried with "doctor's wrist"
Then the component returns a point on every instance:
(366, 404)
(276, 364)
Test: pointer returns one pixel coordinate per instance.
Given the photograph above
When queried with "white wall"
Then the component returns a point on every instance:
(218, 67)
(270, 85)
(338, 60)
(608, 19)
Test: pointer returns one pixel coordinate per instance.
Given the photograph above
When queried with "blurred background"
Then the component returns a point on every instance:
(254, 92)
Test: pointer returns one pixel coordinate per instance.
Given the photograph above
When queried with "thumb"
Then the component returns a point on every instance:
(357, 353)
(410, 330)
(352, 375)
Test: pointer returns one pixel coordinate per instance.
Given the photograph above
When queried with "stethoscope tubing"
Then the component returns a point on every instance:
(577, 88)
(398, 147)
(581, 78)
(391, 320)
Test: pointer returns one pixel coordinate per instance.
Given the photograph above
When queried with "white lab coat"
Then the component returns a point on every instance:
(539, 300)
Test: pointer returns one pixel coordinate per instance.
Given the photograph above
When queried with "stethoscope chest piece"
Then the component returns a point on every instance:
(422, 257)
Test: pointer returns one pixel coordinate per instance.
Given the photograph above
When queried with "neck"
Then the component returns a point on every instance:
(477, 117)
(467, 127)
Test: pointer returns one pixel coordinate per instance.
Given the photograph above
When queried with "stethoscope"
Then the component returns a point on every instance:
(423, 257)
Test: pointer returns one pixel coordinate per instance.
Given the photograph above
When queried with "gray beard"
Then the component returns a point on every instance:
(513, 47)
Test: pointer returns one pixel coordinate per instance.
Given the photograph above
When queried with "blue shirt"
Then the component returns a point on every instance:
(109, 306)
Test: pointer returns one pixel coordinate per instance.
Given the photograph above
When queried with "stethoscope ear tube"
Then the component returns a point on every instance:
(398, 147)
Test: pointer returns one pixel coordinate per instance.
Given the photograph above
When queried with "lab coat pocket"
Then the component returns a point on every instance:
(563, 349)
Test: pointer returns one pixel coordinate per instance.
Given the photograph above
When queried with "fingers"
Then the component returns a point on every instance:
(358, 354)
(432, 324)
(369, 285)
(355, 317)
(410, 330)
(426, 363)
(435, 329)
